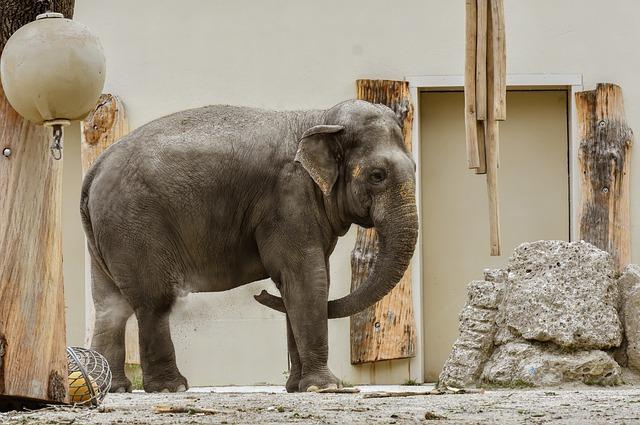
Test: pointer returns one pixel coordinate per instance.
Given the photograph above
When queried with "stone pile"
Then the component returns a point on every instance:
(477, 331)
(629, 308)
(556, 314)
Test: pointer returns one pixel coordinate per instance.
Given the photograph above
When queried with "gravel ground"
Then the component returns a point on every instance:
(585, 405)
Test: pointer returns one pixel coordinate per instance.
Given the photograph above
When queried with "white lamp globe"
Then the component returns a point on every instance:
(52, 69)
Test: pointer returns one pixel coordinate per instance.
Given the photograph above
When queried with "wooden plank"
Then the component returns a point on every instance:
(492, 134)
(604, 162)
(481, 60)
(470, 118)
(482, 151)
(105, 125)
(33, 362)
(497, 47)
(386, 330)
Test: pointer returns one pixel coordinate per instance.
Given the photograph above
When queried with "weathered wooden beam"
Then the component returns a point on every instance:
(386, 330)
(482, 151)
(105, 125)
(481, 59)
(102, 127)
(497, 47)
(470, 118)
(492, 133)
(604, 160)
(33, 362)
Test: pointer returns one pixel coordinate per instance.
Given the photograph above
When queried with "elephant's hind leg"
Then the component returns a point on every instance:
(152, 297)
(157, 354)
(112, 312)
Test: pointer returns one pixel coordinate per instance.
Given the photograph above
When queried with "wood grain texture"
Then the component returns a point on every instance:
(482, 151)
(386, 330)
(604, 159)
(33, 363)
(481, 59)
(106, 124)
(492, 135)
(102, 127)
(492, 130)
(470, 118)
(497, 47)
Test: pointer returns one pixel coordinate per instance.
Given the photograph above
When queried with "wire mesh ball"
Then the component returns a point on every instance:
(89, 376)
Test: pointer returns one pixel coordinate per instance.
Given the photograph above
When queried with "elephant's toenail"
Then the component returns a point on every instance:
(181, 388)
(165, 390)
(313, 389)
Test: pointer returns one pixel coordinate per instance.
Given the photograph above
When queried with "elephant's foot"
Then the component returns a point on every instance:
(293, 383)
(319, 380)
(172, 382)
(120, 384)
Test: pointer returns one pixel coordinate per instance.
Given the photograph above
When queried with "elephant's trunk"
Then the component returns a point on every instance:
(396, 221)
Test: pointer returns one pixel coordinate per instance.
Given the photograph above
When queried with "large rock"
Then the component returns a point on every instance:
(475, 342)
(561, 292)
(629, 285)
(532, 364)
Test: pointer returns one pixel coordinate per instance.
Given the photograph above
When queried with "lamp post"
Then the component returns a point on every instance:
(52, 72)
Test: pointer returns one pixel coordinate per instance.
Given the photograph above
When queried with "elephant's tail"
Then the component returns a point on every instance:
(85, 215)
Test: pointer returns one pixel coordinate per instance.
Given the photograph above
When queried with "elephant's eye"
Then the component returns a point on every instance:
(377, 176)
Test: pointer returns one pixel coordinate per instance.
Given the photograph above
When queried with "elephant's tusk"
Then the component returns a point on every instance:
(270, 301)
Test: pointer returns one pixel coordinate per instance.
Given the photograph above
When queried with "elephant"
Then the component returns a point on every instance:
(212, 198)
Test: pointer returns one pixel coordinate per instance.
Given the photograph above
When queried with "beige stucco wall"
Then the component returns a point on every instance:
(167, 56)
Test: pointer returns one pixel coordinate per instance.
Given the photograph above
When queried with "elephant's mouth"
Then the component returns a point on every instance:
(365, 222)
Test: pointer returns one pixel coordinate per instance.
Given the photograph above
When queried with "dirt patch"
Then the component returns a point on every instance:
(559, 405)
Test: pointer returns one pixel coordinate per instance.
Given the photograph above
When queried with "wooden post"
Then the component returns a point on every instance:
(491, 139)
(386, 330)
(481, 60)
(485, 93)
(101, 128)
(33, 362)
(482, 151)
(498, 103)
(492, 130)
(470, 118)
(105, 125)
(604, 161)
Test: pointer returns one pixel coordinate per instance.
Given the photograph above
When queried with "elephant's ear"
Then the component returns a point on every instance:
(316, 155)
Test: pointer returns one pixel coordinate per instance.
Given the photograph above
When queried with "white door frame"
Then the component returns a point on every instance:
(572, 83)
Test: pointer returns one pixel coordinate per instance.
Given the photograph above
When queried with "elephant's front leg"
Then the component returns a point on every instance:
(295, 372)
(305, 294)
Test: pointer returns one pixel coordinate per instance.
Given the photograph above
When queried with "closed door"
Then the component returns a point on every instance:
(534, 200)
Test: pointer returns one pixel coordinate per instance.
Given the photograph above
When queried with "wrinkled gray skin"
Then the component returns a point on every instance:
(217, 197)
